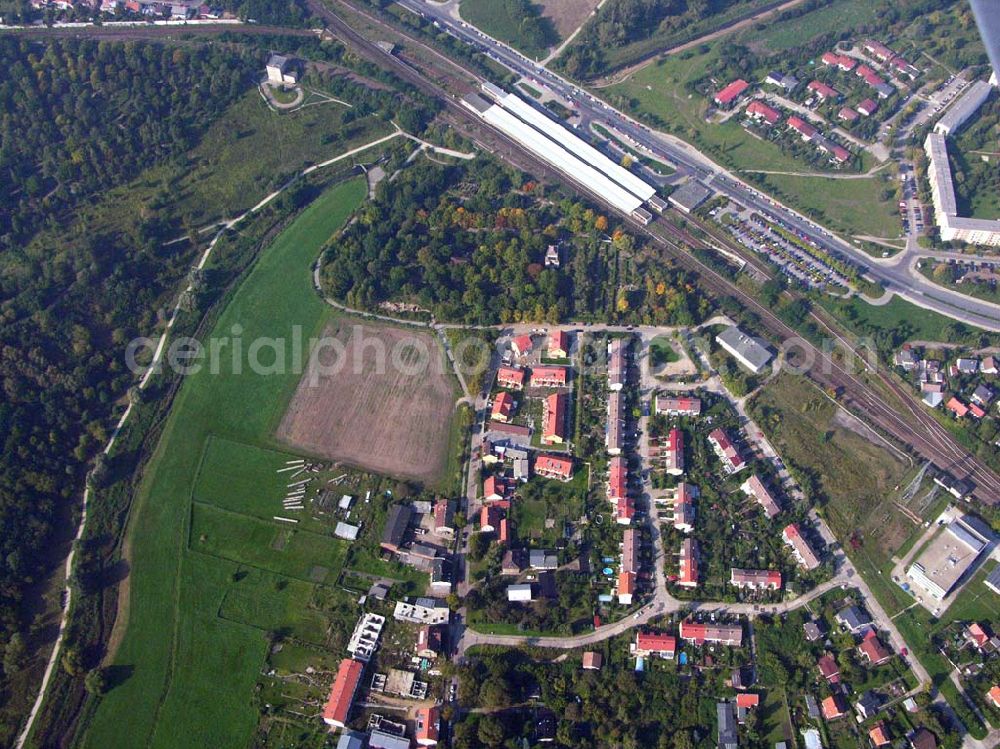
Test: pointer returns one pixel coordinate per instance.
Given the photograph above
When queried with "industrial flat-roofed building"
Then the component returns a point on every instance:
(747, 350)
(689, 196)
(949, 556)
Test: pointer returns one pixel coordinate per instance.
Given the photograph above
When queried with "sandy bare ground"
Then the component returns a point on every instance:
(567, 15)
(385, 412)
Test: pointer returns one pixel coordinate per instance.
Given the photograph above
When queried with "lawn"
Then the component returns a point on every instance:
(662, 352)
(179, 664)
(853, 206)
(898, 316)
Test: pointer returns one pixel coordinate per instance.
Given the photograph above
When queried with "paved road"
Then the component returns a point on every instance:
(669, 148)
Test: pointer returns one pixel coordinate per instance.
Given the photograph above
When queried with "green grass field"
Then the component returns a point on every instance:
(898, 315)
(494, 17)
(308, 556)
(854, 206)
(794, 32)
(185, 675)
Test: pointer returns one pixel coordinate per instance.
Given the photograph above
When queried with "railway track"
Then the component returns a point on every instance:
(916, 429)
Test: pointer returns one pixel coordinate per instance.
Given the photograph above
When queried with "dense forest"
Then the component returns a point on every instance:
(78, 118)
(468, 244)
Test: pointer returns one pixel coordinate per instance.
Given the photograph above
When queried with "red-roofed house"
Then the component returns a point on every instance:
(879, 50)
(428, 726)
(626, 588)
(554, 467)
(504, 531)
(683, 499)
(726, 451)
(976, 410)
(554, 419)
(678, 405)
(548, 376)
(761, 111)
(625, 507)
(957, 407)
(870, 77)
(747, 700)
(754, 487)
(840, 154)
(847, 114)
(511, 377)
(800, 547)
(559, 344)
(977, 635)
(654, 643)
(592, 661)
(868, 107)
(617, 478)
(345, 685)
(994, 696)
(521, 345)
(688, 576)
(844, 62)
(503, 406)
(873, 651)
(802, 127)
(489, 518)
(731, 93)
(823, 91)
(834, 707)
(879, 735)
(828, 668)
(700, 633)
(674, 452)
(493, 489)
(756, 579)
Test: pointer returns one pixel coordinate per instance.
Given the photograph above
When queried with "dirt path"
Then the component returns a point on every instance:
(620, 75)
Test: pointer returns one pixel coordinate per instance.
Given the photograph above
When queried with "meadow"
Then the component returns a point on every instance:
(186, 674)
(794, 32)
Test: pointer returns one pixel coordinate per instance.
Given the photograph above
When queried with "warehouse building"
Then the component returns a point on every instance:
(949, 556)
(747, 350)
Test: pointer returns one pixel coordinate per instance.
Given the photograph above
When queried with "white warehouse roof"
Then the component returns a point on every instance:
(577, 146)
(554, 154)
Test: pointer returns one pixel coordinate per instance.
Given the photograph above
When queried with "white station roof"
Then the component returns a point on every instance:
(577, 146)
(566, 162)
